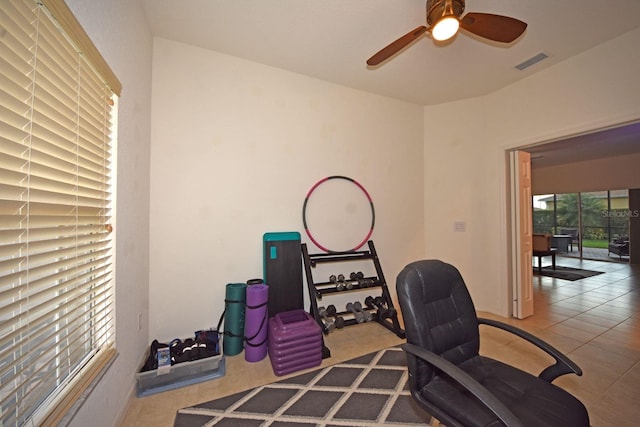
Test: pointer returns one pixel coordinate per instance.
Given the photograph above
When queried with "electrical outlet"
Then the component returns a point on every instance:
(459, 226)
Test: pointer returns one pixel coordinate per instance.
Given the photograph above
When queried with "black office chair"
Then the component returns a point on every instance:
(451, 381)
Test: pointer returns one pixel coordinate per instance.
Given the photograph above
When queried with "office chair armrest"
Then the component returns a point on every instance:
(468, 382)
(563, 364)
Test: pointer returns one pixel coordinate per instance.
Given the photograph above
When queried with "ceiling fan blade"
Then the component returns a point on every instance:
(387, 52)
(493, 27)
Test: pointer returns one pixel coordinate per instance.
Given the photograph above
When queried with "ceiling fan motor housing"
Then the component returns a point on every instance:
(436, 8)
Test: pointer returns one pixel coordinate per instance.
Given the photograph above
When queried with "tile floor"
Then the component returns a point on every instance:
(595, 320)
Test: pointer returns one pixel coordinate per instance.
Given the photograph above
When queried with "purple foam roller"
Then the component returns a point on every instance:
(256, 323)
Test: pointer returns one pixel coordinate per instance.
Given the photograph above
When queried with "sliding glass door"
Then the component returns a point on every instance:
(585, 225)
(595, 227)
(568, 222)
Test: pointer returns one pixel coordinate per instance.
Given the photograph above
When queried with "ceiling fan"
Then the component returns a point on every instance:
(444, 18)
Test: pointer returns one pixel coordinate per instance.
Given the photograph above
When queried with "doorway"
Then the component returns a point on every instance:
(570, 163)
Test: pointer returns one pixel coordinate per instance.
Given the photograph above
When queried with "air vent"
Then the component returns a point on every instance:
(531, 61)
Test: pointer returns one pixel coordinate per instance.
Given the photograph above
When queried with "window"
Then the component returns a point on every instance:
(57, 326)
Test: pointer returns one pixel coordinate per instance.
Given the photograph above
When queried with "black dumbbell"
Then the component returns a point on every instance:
(379, 303)
(329, 324)
(371, 303)
(356, 313)
(368, 282)
(357, 278)
(368, 317)
(338, 281)
(363, 281)
(391, 312)
(338, 320)
(354, 277)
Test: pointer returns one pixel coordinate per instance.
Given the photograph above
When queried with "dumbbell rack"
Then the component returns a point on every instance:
(318, 290)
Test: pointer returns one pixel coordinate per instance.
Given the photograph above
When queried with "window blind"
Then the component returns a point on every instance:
(56, 261)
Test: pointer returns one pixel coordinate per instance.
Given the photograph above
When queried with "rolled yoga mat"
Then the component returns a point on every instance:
(256, 325)
(235, 300)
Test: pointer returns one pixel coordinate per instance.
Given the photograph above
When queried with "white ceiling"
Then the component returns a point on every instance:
(332, 39)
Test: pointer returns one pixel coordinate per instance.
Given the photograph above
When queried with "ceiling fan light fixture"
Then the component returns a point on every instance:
(445, 18)
(445, 28)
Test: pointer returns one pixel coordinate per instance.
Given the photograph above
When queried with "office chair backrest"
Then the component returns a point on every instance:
(438, 313)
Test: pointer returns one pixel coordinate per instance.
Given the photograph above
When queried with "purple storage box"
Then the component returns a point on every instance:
(295, 342)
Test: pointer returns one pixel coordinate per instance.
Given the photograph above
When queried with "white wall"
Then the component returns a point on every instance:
(462, 184)
(118, 28)
(465, 145)
(235, 148)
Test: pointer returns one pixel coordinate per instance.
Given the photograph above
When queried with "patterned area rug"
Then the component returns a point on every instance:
(371, 390)
(566, 273)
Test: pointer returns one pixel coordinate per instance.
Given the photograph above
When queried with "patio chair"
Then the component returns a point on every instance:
(574, 233)
(541, 245)
(451, 381)
(619, 246)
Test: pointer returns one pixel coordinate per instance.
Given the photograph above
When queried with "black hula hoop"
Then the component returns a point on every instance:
(304, 213)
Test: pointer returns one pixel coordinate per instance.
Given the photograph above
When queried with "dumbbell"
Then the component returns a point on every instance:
(383, 311)
(367, 282)
(357, 278)
(356, 313)
(362, 281)
(368, 317)
(347, 284)
(329, 324)
(338, 320)
(381, 302)
(341, 285)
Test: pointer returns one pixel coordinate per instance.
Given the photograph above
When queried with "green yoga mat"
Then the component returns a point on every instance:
(235, 303)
